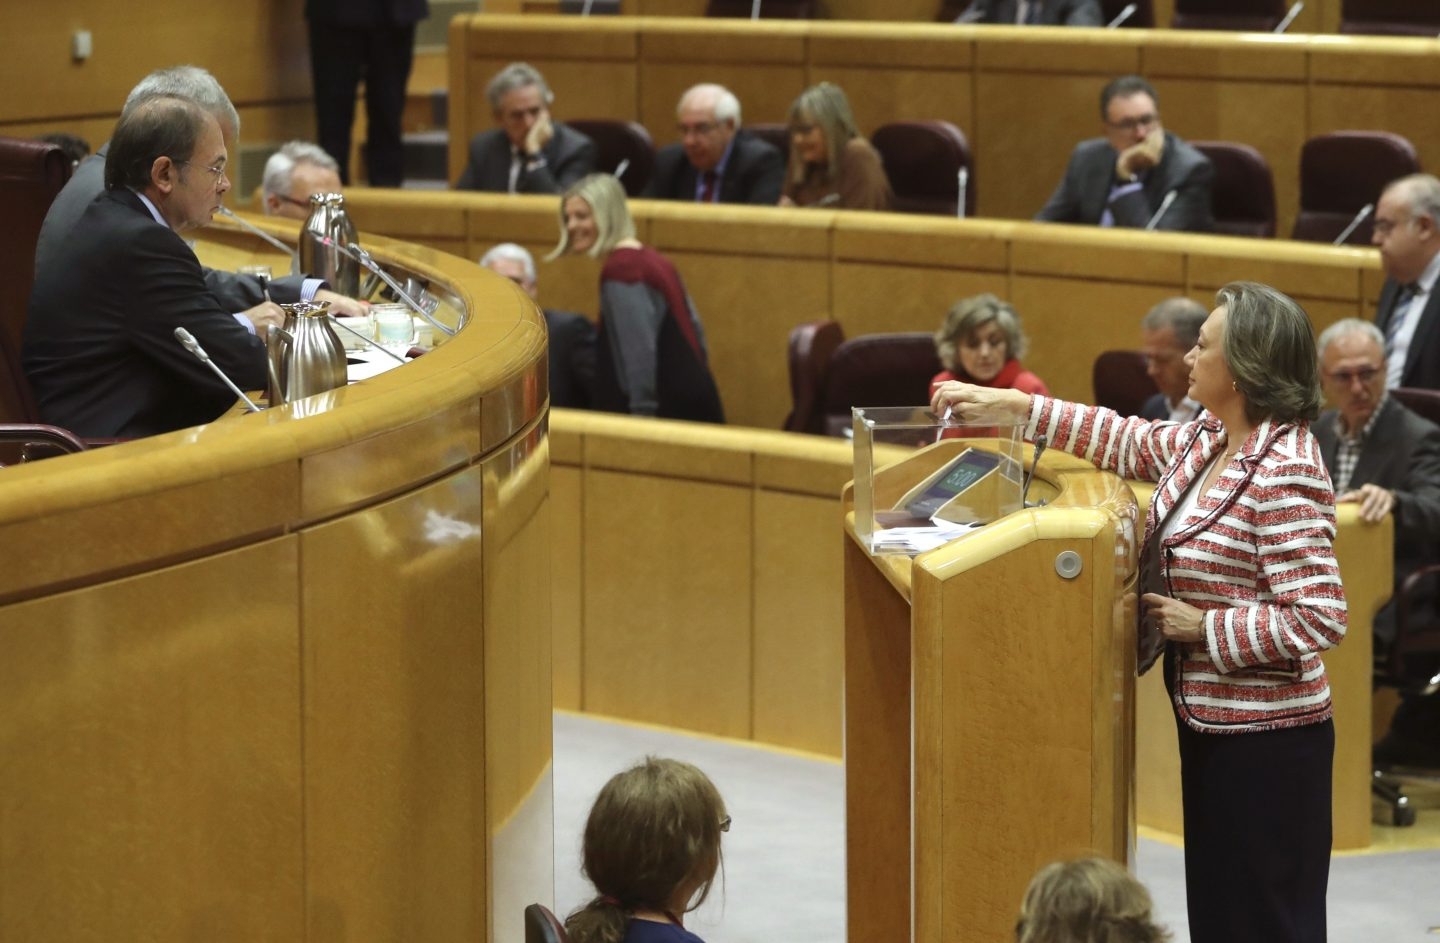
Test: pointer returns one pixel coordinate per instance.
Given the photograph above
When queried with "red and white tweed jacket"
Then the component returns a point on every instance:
(1255, 555)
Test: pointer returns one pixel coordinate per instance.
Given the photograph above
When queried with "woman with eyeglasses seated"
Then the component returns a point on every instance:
(1088, 900)
(981, 343)
(650, 356)
(651, 848)
(830, 163)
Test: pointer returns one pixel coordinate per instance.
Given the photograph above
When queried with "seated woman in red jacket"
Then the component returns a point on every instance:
(981, 343)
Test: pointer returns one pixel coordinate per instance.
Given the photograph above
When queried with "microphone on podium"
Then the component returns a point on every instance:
(1294, 11)
(1125, 14)
(1040, 443)
(962, 179)
(755, 10)
(1360, 217)
(294, 255)
(356, 252)
(192, 345)
(1164, 208)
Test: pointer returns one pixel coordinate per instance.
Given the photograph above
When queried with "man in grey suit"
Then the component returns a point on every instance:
(1034, 12)
(715, 161)
(1407, 230)
(1386, 459)
(1126, 178)
(529, 152)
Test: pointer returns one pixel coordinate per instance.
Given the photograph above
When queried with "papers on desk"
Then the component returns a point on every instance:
(367, 363)
(913, 540)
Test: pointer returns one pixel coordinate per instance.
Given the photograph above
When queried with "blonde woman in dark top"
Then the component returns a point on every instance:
(830, 163)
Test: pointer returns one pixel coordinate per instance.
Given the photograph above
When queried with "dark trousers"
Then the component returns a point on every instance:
(1257, 833)
(340, 57)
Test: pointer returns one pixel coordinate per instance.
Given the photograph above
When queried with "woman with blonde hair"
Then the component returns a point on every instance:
(652, 849)
(981, 342)
(1088, 900)
(650, 357)
(831, 164)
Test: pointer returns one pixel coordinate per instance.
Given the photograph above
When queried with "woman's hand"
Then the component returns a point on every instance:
(979, 405)
(1178, 621)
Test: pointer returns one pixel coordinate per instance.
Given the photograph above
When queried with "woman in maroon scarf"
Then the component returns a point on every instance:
(981, 343)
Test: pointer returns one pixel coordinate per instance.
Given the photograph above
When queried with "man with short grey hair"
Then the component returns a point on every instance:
(1168, 331)
(572, 336)
(292, 174)
(716, 161)
(1407, 230)
(530, 152)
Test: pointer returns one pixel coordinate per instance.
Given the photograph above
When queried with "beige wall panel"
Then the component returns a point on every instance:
(765, 90)
(746, 230)
(922, 240)
(799, 622)
(150, 756)
(667, 448)
(879, 96)
(878, 46)
(567, 583)
(1311, 272)
(1157, 757)
(408, 214)
(724, 40)
(1347, 107)
(871, 299)
(1057, 249)
(1168, 54)
(1373, 60)
(818, 466)
(667, 631)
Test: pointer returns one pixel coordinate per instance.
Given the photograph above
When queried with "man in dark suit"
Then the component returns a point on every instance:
(1168, 331)
(530, 152)
(1035, 12)
(1409, 312)
(372, 40)
(572, 336)
(1386, 459)
(1125, 177)
(99, 348)
(715, 161)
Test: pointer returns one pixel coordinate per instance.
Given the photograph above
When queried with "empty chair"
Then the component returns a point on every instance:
(769, 9)
(1390, 18)
(1425, 403)
(617, 142)
(923, 160)
(877, 370)
(1340, 173)
(542, 926)
(810, 349)
(1242, 198)
(1261, 16)
(1411, 665)
(776, 135)
(1121, 382)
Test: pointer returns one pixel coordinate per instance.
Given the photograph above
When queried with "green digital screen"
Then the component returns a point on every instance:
(964, 471)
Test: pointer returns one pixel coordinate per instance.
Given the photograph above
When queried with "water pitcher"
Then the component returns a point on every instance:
(328, 220)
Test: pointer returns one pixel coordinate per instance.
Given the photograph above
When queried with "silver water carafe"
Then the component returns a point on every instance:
(326, 231)
(306, 356)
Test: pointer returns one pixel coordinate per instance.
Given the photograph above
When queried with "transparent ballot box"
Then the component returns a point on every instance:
(921, 481)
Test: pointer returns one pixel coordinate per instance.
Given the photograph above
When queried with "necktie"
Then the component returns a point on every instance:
(1398, 312)
(1032, 15)
(707, 186)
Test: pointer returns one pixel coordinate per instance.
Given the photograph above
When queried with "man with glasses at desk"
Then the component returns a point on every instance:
(1138, 175)
(716, 161)
(292, 174)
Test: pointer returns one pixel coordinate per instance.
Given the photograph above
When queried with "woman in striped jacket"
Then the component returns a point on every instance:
(1241, 590)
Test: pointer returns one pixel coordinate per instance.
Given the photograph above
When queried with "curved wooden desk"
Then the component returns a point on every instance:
(286, 675)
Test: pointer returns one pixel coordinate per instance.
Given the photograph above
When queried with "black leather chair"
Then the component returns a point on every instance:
(877, 370)
(809, 351)
(617, 142)
(1411, 665)
(769, 9)
(1242, 199)
(1120, 382)
(1340, 173)
(1259, 16)
(1390, 17)
(542, 926)
(923, 160)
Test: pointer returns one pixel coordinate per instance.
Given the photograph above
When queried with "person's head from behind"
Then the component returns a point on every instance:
(708, 117)
(518, 98)
(1168, 331)
(292, 174)
(170, 150)
(514, 262)
(1129, 110)
(979, 335)
(191, 83)
(1352, 369)
(1407, 226)
(821, 124)
(652, 844)
(1088, 900)
(594, 217)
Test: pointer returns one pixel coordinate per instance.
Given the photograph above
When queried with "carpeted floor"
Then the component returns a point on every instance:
(785, 854)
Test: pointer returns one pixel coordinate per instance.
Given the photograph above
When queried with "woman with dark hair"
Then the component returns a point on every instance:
(1242, 594)
(831, 164)
(651, 848)
(981, 342)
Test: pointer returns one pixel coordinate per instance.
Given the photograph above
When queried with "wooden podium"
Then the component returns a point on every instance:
(989, 708)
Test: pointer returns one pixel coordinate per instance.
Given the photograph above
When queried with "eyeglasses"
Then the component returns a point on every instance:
(1384, 227)
(725, 824)
(1134, 124)
(702, 128)
(1347, 377)
(303, 204)
(218, 170)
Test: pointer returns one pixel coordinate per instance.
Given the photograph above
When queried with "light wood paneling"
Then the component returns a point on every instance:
(567, 583)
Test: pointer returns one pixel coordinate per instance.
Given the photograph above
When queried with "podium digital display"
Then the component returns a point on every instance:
(940, 489)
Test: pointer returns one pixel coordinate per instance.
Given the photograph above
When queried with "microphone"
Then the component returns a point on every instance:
(336, 322)
(1124, 15)
(1040, 443)
(1360, 217)
(1284, 24)
(829, 199)
(357, 253)
(585, 11)
(192, 345)
(755, 10)
(962, 180)
(1164, 208)
(294, 255)
(621, 167)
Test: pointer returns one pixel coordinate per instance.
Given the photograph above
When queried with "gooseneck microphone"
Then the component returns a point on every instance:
(1040, 443)
(962, 181)
(1284, 24)
(356, 252)
(192, 345)
(336, 322)
(1124, 15)
(755, 10)
(1360, 217)
(294, 255)
(1164, 208)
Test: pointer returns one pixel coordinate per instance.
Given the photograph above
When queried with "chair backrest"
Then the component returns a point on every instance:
(1242, 199)
(31, 174)
(878, 370)
(776, 135)
(1259, 16)
(769, 9)
(1425, 403)
(617, 141)
(542, 926)
(1142, 18)
(923, 160)
(1120, 381)
(1390, 18)
(950, 10)
(1342, 172)
(810, 349)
